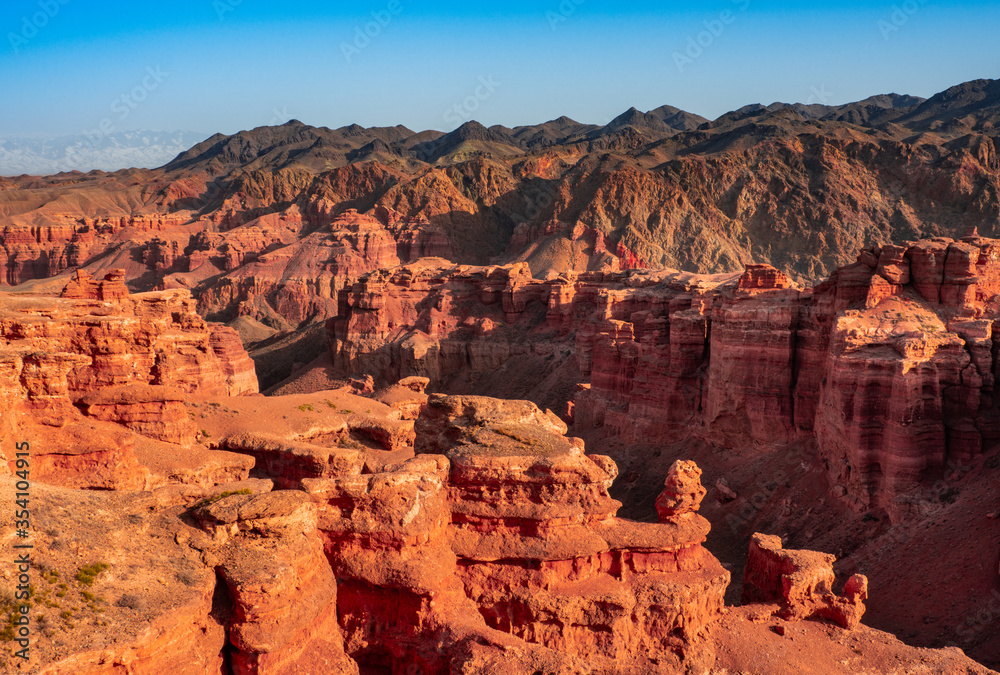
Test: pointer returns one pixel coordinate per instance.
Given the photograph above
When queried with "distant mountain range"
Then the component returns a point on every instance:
(800, 186)
(128, 149)
(969, 107)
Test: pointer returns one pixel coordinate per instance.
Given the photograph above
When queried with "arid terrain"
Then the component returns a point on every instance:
(665, 396)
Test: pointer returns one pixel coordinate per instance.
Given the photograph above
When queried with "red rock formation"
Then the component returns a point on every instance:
(153, 411)
(103, 356)
(682, 493)
(83, 287)
(889, 364)
(801, 582)
(299, 281)
(762, 278)
(284, 595)
(534, 532)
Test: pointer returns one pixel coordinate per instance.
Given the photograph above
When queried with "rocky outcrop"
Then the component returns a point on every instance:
(534, 532)
(284, 595)
(153, 411)
(495, 544)
(888, 364)
(84, 373)
(150, 338)
(83, 287)
(682, 492)
(801, 582)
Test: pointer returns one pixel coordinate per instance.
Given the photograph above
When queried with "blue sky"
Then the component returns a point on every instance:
(67, 66)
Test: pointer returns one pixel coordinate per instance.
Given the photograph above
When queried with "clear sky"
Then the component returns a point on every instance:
(67, 66)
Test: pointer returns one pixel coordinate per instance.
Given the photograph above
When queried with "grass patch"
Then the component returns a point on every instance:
(10, 609)
(221, 496)
(88, 573)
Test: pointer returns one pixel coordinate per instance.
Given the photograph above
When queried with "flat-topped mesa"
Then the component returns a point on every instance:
(801, 583)
(763, 278)
(83, 286)
(540, 550)
(436, 319)
(154, 338)
(76, 371)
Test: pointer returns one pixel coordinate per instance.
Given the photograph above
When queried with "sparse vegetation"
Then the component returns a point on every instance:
(220, 496)
(307, 407)
(9, 609)
(88, 573)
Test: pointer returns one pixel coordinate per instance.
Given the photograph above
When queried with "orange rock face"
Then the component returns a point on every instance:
(801, 582)
(496, 543)
(82, 372)
(889, 364)
(83, 287)
(535, 536)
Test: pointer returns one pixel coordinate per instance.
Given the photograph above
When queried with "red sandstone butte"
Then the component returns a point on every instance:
(801, 582)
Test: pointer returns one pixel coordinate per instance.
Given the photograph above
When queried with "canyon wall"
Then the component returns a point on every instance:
(397, 531)
(89, 371)
(889, 365)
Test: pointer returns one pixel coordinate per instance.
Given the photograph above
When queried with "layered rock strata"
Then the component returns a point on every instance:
(92, 377)
(801, 582)
(535, 533)
(889, 364)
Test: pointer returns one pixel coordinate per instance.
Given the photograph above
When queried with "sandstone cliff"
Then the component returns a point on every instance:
(888, 365)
